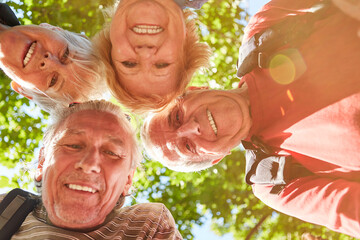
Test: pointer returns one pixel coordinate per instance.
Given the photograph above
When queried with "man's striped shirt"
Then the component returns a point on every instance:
(140, 221)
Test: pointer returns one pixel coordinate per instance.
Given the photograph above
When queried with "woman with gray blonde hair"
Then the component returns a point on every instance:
(48, 64)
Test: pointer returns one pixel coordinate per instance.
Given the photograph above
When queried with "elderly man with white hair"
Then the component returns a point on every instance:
(85, 170)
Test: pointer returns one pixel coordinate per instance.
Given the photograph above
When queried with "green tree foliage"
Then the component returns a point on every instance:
(221, 24)
(220, 190)
(82, 16)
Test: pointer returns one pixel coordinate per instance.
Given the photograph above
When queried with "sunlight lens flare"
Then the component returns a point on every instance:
(286, 66)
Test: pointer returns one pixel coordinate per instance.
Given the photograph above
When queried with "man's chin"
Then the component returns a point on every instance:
(75, 218)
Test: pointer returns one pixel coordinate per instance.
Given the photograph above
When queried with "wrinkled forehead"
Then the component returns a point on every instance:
(197, 96)
(93, 120)
(160, 136)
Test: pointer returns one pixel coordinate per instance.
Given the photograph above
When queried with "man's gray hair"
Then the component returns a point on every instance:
(60, 114)
(85, 59)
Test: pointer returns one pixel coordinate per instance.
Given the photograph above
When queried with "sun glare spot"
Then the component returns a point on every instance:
(286, 66)
(282, 69)
(290, 96)
(282, 111)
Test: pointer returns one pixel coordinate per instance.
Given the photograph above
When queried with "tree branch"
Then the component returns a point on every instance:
(257, 226)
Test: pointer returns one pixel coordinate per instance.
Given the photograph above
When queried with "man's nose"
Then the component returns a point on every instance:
(90, 163)
(191, 127)
(145, 51)
(48, 61)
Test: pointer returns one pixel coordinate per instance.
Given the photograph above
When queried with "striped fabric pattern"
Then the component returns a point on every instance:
(140, 221)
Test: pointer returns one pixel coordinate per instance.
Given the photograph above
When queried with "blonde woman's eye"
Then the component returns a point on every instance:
(129, 64)
(161, 65)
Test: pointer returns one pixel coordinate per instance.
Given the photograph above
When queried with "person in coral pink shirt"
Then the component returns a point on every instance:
(305, 103)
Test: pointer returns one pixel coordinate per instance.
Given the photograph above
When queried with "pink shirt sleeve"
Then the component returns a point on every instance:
(333, 203)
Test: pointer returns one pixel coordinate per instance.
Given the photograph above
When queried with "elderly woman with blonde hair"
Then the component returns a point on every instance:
(151, 50)
(48, 64)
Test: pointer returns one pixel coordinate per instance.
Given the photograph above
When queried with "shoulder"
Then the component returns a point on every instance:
(151, 219)
(2, 196)
(273, 12)
(156, 213)
(143, 209)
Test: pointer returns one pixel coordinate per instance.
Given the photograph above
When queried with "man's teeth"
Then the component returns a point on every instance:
(212, 122)
(146, 29)
(81, 188)
(29, 53)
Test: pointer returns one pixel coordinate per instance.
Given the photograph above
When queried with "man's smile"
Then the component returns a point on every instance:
(81, 188)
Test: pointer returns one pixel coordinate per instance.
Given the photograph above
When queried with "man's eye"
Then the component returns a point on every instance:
(174, 118)
(111, 154)
(129, 64)
(161, 65)
(191, 148)
(73, 146)
(53, 80)
(177, 116)
(65, 56)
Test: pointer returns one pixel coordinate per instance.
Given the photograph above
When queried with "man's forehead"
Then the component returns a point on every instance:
(85, 136)
(160, 138)
(195, 91)
(69, 132)
(105, 120)
(198, 93)
(163, 137)
(83, 123)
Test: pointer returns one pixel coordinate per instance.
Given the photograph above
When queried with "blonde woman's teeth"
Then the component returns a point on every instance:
(29, 53)
(212, 122)
(146, 29)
